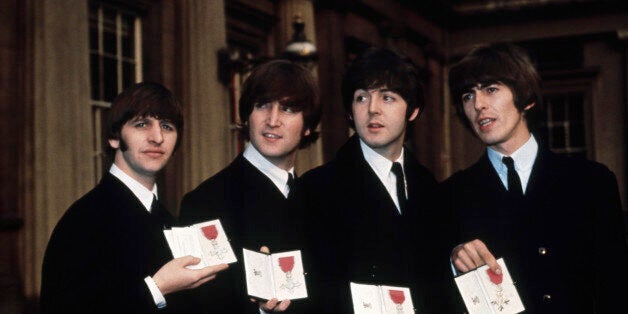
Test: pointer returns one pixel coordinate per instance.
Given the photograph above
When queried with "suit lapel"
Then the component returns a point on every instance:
(377, 200)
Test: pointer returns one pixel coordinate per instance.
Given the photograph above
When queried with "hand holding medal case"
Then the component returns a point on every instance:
(278, 275)
(380, 299)
(483, 291)
(206, 240)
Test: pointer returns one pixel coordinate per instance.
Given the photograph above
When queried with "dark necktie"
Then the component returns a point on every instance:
(401, 186)
(290, 183)
(514, 183)
(160, 213)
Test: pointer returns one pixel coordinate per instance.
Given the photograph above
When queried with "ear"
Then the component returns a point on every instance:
(307, 132)
(114, 143)
(415, 113)
(526, 108)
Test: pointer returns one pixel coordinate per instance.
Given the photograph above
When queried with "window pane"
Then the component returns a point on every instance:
(94, 66)
(128, 29)
(558, 110)
(109, 31)
(576, 135)
(558, 137)
(93, 35)
(110, 77)
(576, 107)
(128, 74)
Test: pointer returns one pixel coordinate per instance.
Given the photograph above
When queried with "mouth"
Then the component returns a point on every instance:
(375, 125)
(271, 136)
(154, 153)
(485, 122)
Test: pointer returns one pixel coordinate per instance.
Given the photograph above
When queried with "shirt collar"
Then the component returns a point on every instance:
(277, 175)
(380, 164)
(523, 157)
(142, 193)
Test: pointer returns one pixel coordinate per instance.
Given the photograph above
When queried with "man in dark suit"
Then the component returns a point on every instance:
(369, 224)
(108, 253)
(252, 196)
(555, 220)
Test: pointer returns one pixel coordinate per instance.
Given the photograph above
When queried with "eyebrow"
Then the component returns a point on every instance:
(136, 119)
(378, 89)
(146, 118)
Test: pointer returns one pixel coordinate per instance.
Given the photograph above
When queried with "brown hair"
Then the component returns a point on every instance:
(289, 83)
(144, 99)
(378, 67)
(503, 63)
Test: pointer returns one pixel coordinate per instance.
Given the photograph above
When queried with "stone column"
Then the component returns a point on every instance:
(205, 145)
(331, 67)
(60, 153)
(286, 9)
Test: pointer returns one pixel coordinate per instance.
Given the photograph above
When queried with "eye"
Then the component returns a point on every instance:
(262, 105)
(288, 109)
(388, 98)
(140, 124)
(360, 98)
(491, 89)
(166, 125)
(467, 97)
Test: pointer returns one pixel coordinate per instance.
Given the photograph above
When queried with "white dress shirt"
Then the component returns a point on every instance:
(146, 198)
(277, 175)
(382, 168)
(523, 158)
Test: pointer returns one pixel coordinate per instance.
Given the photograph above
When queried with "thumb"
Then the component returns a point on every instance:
(264, 249)
(190, 260)
(495, 268)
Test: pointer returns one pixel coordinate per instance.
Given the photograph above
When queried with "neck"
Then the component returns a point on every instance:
(509, 147)
(390, 152)
(390, 155)
(148, 181)
(284, 162)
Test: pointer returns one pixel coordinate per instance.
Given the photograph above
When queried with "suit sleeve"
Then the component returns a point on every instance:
(611, 257)
(78, 275)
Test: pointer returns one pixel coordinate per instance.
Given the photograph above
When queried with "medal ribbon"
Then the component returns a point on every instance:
(286, 263)
(397, 296)
(495, 278)
(210, 232)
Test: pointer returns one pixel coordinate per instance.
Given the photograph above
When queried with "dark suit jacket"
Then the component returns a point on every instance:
(100, 252)
(253, 213)
(564, 240)
(357, 235)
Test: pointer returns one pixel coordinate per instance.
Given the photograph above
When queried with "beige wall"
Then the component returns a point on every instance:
(608, 120)
(62, 168)
(205, 148)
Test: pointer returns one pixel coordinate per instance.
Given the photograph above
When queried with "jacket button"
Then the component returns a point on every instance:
(547, 298)
(542, 250)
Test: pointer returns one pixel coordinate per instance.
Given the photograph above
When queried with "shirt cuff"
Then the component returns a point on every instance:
(158, 297)
(453, 268)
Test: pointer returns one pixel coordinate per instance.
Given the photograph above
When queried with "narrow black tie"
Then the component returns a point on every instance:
(290, 183)
(160, 213)
(401, 186)
(514, 183)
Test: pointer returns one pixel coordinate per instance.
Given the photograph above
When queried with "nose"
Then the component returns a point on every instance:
(374, 105)
(156, 134)
(479, 102)
(274, 115)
